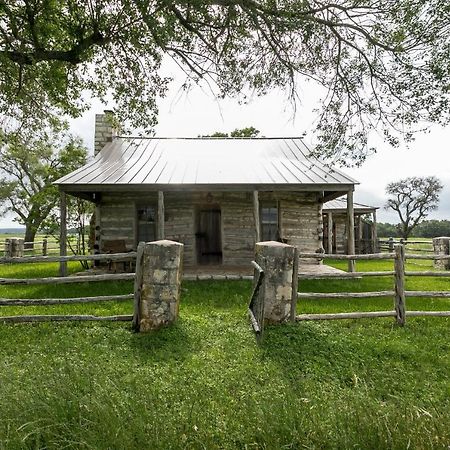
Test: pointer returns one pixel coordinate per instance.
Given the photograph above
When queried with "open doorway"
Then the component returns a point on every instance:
(209, 236)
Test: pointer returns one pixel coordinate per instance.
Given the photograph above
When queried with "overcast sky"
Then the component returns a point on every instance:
(198, 112)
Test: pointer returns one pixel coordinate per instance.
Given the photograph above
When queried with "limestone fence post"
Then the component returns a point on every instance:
(391, 244)
(7, 248)
(14, 247)
(278, 261)
(158, 281)
(441, 246)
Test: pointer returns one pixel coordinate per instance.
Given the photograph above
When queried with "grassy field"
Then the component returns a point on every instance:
(204, 383)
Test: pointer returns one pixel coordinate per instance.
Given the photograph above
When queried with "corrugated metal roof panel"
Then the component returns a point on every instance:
(215, 161)
(341, 204)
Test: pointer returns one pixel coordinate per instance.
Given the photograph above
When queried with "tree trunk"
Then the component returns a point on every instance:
(30, 234)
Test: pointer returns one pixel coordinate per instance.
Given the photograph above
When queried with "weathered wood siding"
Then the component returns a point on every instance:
(180, 223)
(341, 233)
(238, 228)
(118, 218)
(300, 220)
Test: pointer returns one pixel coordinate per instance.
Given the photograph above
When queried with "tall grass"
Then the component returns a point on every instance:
(204, 382)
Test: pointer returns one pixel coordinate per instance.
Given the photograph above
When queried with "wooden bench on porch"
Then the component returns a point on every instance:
(116, 246)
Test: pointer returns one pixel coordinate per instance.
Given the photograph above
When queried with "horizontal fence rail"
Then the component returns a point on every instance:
(65, 318)
(426, 273)
(97, 257)
(431, 257)
(67, 280)
(370, 256)
(63, 301)
(311, 295)
(399, 293)
(352, 315)
(307, 276)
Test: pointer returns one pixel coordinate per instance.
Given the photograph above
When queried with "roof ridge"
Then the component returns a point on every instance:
(209, 137)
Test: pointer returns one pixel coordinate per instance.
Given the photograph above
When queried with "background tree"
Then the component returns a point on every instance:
(433, 228)
(30, 162)
(383, 65)
(238, 132)
(79, 220)
(413, 198)
(387, 230)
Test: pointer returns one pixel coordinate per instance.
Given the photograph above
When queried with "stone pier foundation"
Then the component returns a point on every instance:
(277, 261)
(441, 247)
(161, 280)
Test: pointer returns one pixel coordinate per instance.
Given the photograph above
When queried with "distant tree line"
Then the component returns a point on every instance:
(427, 228)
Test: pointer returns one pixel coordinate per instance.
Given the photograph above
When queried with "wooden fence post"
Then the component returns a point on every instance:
(400, 283)
(44, 246)
(63, 232)
(294, 286)
(137, 285)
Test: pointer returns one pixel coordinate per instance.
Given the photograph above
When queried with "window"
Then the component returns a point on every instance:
(269, 223)
(146, 223)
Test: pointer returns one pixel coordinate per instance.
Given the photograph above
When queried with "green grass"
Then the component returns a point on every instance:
(204, 382)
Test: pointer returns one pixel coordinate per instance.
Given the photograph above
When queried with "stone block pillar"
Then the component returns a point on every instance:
(14, 247)
(277, 261)
(161, 280)
(441, 247)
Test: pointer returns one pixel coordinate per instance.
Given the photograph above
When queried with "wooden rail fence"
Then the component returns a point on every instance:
(412, 244)
(399, 293)
(65, 280)
(45, 247)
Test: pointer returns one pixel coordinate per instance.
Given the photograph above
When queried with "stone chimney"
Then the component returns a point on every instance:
(104, 130)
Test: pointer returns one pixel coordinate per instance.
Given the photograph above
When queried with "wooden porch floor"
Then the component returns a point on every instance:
(224, 272)
(204, 272)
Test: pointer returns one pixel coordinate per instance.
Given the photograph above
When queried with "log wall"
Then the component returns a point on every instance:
(300, 220)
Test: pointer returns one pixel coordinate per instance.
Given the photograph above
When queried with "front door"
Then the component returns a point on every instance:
(209, 237)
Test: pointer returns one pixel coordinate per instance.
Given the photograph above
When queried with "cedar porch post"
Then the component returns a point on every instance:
(256, 214)
(160, 215)
(63, 233)
(330, 233)
(360, 236)
(374, 232)
(350, 230)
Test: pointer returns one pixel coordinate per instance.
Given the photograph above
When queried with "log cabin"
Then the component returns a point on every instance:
(335, 225)
(217, 196)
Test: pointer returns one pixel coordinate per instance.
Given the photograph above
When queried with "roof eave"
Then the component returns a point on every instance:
(341, 187)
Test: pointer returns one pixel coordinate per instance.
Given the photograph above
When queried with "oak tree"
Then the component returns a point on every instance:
(30, 162)
(413, 198)
(383, 65)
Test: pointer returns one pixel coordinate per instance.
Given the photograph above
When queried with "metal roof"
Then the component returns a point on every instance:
(171, 162)
(340, 205)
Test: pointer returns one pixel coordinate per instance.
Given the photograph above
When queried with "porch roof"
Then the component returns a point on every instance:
(339, 205)
(136, 163)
